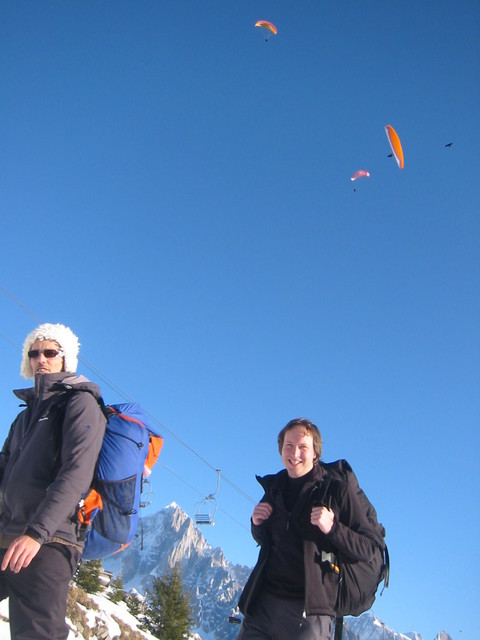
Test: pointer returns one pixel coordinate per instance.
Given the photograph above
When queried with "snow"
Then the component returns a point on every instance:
(107, 610)
(4, 626)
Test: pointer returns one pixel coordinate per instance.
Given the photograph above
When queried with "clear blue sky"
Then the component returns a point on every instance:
(178, 191)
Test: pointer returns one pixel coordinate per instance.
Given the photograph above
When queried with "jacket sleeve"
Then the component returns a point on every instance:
(83, 429)
(258, 530)
(7, 445)
(351, 533)
(5, 453)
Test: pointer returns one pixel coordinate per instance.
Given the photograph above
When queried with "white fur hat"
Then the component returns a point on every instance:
(60, 334)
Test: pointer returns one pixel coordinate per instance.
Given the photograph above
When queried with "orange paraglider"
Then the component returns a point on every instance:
(267, 25)
(395, 145)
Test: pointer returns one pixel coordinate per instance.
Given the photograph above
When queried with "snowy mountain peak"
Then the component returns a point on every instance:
(368, 626)
(170, 537)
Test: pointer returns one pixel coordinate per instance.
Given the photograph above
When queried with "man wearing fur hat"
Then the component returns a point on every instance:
(46, 464)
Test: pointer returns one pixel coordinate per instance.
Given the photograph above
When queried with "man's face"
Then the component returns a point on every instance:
(298, 454)
(42, 364)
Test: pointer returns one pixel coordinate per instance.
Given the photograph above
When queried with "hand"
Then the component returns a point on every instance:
(262, 511)
(322, 518)
(20, 553)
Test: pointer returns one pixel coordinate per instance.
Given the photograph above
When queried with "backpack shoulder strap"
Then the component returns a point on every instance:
(68, 393)
(60, 407)
(321, 490)
(58, 410)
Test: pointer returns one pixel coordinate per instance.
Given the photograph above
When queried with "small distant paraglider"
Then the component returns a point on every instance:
(395, 145)
(361, 173)
(270, 28)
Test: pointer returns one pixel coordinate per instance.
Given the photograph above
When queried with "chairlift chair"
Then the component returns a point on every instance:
(145, 493)
(207, 508)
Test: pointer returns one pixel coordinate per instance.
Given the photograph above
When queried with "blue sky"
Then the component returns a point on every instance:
(178, 191)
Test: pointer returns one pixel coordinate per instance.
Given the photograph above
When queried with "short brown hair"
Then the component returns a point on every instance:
(310, 428)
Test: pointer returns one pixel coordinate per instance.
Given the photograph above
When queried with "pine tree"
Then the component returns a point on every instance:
(170, 615)
(117, 593)
(87, 576)
(134, 604)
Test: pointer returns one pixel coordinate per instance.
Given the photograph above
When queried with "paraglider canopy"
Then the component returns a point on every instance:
(361, 173)
(267, 25)
(395, 145)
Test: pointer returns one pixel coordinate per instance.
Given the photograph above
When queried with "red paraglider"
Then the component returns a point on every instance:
(361, 173)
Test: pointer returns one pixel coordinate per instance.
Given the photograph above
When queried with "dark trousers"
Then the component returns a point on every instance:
(274, 618)
(38, 593)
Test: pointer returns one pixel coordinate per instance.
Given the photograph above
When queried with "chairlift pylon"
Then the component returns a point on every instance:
(207, 508)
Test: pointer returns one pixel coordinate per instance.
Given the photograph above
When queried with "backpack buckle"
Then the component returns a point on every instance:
(331, 560)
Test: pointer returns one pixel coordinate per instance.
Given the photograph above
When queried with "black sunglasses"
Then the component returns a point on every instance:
(48, 353)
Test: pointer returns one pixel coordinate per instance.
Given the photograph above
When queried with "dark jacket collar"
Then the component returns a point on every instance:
(273, 482)
(48, 384)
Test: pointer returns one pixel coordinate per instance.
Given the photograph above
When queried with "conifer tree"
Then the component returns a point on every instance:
(134, 604)
(117, 589)
(170, 614)
(87, 576)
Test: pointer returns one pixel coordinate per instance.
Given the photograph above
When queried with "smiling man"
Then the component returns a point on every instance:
(292, 591)
(46, 464)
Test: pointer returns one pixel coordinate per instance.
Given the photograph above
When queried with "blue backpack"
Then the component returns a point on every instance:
(109, 514)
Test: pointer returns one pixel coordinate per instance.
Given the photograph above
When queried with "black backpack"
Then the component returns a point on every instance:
(358, 581)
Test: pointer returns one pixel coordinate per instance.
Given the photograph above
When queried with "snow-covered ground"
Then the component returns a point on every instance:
(107, 610)
(4, 626)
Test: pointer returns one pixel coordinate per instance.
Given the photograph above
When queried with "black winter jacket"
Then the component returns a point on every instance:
(349, 538)
(45, 467)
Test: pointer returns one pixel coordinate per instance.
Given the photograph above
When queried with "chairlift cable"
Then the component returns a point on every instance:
(15, 346)
(110, 383)
(126, 396)
(179, 477)
(20, 304)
